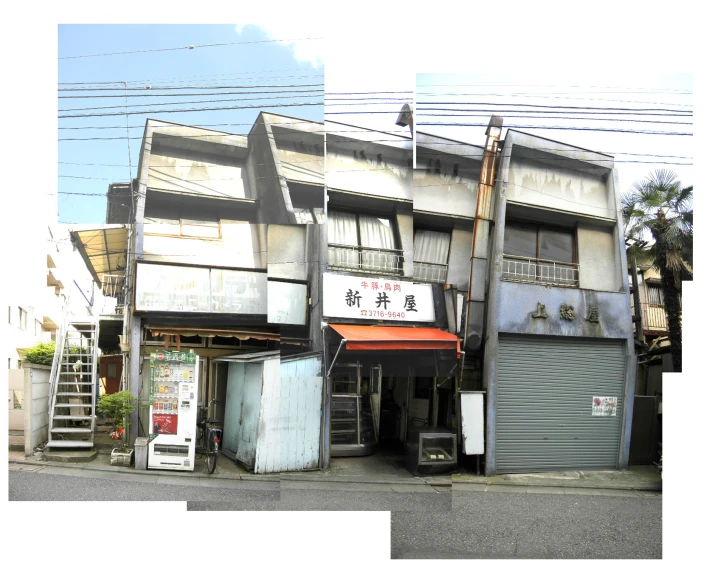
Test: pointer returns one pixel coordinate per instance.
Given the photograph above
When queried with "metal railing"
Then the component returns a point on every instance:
(112, 286)
(372, 260)
(532, 270)
(429, 272)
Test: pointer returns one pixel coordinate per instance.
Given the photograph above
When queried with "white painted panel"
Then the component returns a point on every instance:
(473, 423)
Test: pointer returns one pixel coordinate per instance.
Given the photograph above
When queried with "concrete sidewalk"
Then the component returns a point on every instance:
(376, 470)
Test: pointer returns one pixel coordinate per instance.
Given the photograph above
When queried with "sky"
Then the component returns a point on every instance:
(93, 151)
(365, 45)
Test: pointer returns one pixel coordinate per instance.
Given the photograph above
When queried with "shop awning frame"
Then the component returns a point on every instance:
(389, 338)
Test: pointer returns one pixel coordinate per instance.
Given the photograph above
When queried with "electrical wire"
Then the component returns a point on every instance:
(190, 47)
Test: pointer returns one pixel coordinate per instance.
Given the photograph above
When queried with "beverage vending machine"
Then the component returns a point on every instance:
(173, 407)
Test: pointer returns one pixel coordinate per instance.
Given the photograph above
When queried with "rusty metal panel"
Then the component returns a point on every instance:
(486, 205)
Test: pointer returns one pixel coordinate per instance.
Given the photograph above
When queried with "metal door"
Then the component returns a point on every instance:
(249, 415)
(233, 407)
(375, 390)
(547, 416)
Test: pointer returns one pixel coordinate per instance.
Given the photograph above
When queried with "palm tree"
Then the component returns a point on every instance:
(659, 207)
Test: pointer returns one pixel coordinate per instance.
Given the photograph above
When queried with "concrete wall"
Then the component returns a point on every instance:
(444, 193)
(16, 383)
(518, 301)
(36, 405)
(599, 259)
(458, 270)
(559, 188)
(392, 178)
(301, 163)
(242, 246)
(287, 253)
(265, 174)
(198, 173)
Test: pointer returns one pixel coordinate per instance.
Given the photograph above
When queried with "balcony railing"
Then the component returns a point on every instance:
(112, 286)
(653, 316)
(531, 270)
(370, 260)
(429, 272)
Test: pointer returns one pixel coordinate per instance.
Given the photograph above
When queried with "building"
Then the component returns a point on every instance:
(209, 249)
(413, 289)
(559, 364)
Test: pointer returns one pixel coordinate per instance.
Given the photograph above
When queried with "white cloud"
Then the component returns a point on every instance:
(290, 29)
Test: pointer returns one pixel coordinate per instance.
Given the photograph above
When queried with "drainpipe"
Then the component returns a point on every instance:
(479, 254)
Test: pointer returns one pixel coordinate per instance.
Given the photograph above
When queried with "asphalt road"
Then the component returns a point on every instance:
(466, 523)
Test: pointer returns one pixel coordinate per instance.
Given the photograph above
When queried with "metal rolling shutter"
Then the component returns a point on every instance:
(545, 390)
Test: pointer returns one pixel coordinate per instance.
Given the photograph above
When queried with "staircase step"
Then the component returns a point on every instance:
(69, 443)
(73, 416)
(74, 383)
(74, 394)
(73, 404)
(71, 430)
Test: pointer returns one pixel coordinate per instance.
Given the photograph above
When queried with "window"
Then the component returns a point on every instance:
(430, 255)
(363, 242)
(38, 327)
(655, 295)
(23, 319)
(540, 254)
(9, 314)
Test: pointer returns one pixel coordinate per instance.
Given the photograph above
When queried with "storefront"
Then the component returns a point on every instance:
(386, 383)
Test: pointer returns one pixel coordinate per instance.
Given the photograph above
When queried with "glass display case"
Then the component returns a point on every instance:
(431, 450)
(352, 426)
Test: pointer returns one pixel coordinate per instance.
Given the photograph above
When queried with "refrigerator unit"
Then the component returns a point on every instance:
(173, 409)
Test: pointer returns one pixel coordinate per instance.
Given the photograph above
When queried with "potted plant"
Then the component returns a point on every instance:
(118, 406)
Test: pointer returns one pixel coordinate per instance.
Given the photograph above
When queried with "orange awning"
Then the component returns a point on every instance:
(372, 337)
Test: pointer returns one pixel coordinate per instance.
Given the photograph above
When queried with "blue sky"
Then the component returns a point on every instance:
(88, 166)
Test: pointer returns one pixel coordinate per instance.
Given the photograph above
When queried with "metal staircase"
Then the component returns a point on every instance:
(73, 384)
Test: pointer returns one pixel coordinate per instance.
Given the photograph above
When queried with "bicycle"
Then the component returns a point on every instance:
(210, 436)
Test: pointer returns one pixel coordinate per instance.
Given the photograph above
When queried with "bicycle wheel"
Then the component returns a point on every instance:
(212, 459)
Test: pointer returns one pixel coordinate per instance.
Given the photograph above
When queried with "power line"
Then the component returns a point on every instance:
(648, 132)
(190, 47)
(181, 95)
(309, 94)
(249, 86)
(190, 110)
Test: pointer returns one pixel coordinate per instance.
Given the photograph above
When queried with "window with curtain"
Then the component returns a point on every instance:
(431, 250)
(362, 242)
(655, 295)
(539, 253)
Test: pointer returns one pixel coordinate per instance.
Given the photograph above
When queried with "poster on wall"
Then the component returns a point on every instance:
(377, 298)
(165, 423)
(604, 406)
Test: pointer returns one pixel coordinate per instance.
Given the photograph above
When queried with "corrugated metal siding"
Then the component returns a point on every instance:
(545, 389)
(290, 416)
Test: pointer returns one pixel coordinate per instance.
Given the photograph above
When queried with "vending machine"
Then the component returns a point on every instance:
(173, 410)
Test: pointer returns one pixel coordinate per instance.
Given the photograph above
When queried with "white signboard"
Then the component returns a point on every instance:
(287, 303)
(604, 406)
(377, 299)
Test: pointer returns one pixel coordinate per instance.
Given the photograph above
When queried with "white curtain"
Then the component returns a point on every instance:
(341, 229)
(378, 233)
(431, 248)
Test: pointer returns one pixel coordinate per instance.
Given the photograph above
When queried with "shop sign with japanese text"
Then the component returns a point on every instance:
(377, 299)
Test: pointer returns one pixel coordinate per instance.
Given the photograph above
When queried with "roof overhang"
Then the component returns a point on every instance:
(103, 250)
(240, 334)
(372, 337)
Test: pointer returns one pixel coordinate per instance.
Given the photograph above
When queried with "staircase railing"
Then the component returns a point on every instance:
(57, 359)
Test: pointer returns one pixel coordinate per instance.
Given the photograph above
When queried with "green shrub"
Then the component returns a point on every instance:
(118, 406)
(41, 354)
